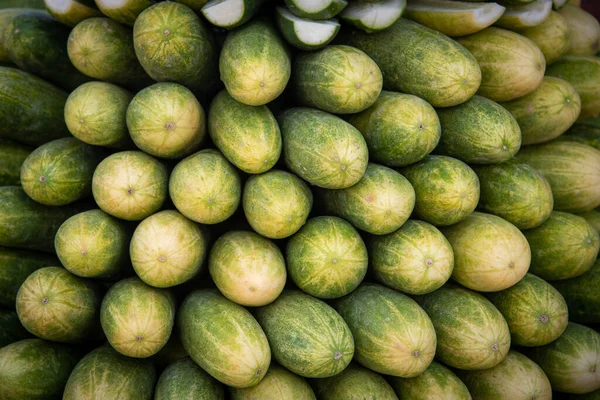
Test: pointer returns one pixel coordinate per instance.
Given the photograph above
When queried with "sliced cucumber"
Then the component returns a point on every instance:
(316, 9)
(373, 16)
(305, 34)
(525, 16)
(453, 18)
(123, 11)
(71, 12)
(556, 4)
(195, 5)
(229, 14)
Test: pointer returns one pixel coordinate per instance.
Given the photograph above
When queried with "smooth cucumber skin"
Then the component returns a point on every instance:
(184, 379)
(35, 369)
(37, 43)
(12, 155)
(551, 36)
(105, 374)
(60, 172)
(421, 61)
(25, 224)
(32, 110)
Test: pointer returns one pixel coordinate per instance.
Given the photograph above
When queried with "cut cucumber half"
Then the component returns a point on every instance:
(453, 18)
(229, 14)
(373, 16)
(71, 12)
(525, 16)
(305, 34)
(195, 5)
(316, 9)
(123, 11)
(556, 4)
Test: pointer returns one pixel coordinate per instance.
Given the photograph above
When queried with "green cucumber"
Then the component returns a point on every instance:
(316, 9)
(37, 43)
(305, 34)
(12, 156)
(229, 14)
(71, 12)
(355, 382)
(373, 16)
(123, 11)
(278, 383)
(185, 379)
(11, 329)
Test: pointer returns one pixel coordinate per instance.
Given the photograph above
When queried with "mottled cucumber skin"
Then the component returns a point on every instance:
(400, 129)
(515, 376)
(355, 381)
(277, 203)
(471, 333)
(479, 131)
(137, 319)
(563, 247)
(437, 381)
(278, 383)
(338, 79)
(25, 224)
(327, 258)
(127, 13)
(375, 314)
(446, 189)
(174, 45)
(104, 373)
(248, 136)
(255, 64)
(421, 61)
(512, 66)
(303, 347)
(12, 155)
(56, 305)
(535, 311)
(103, 49)
(551, 36)
(35, 369)
(60, 172)
(515, 192)
(185, 379)
(583, 72)
(581, 295)
(33, 110)
(77, 12)
(322, 149)
(571, 361)
(547, 112)
(37, 43)
(571, 168)
(223, 338)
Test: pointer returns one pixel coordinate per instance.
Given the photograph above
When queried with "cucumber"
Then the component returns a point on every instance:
(16, 266)
(316, 9)
(373, 15)
(551, 36)
(71, 12)
(12, 155)
(525, 16)
(6, 15)
(103, 49)
(305, 34)
(26, 224)
(32, 109)
(123, 11)
(37, 43)
(230, 14)
(11, 329)
(60, 172)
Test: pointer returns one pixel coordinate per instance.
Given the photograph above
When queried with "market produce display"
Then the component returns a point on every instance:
(299, 199)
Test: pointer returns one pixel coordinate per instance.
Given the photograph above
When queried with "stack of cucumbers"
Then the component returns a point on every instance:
(299, 199)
